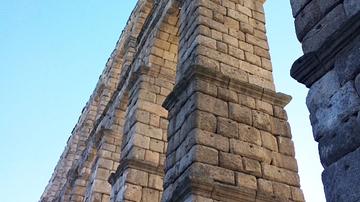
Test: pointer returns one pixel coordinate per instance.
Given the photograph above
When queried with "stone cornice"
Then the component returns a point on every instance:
(137, 164)
(220, 80)
(208, 188)
(312, 66)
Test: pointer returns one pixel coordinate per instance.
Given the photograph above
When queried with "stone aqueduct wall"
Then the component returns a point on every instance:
(330, 34)
(186, 109)
(225, 136)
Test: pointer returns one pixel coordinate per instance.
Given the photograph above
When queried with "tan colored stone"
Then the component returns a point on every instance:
(222, 47)
(227, 95)
(105, 163)
(252, 167)
(211, 104)
(150, 131)
(137, 177)
(280, 175)
(150, 194)
(207, 41)
(249, 134)
(230, 161)
(269, 141)
(284, 161)
(280, 113)
(152, 156)
(101, 186)
(132, 192)
(227, 128)
(286, 146)
(152, 107)
(142, 116)
(155, 182)
(211, 140)
(157, 145)
(141, 141)
(297, 194)
(102, 174)
(253, 59)
(236, 52)
(265, 185)
(282, 189)
(244, 180)
(261, 120)
(233, 72)
(280, 127)
(240, 113)
(213, 172)
(247, 101)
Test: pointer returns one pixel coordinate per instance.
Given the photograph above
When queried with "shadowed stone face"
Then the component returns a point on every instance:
(330, 37)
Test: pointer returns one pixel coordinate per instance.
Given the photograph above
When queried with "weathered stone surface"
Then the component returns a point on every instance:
(280, 175)
(230, 161)
(244, 180)
(211, 104)
(269, 141)
(297, 194)
(315, 37)
(348, 66)
(211, 140)
(330, 68)
(284, 161)
(307, 19)
(265, 185)
(297, 6)
(334, 111)
(240, 113)
(282, 189)
(249, 134)
(247, 150)
(341, 179)
(213, 172)
(261, 121)
(351, 7)
(286, 146)
(227, 128)
(150, 195)
(280, 127)
(222, 117)
(343, 140)
(252, 167)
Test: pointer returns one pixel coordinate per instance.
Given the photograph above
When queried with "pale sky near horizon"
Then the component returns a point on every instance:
(51, 55)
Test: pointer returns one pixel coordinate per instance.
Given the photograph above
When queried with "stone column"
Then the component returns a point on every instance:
(228, 135)
(330, 67)
(139, 175)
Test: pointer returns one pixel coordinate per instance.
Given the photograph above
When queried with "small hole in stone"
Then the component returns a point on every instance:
(347, 167)
(279, 171)
(251, 146)
(319, 26)
(346, 119)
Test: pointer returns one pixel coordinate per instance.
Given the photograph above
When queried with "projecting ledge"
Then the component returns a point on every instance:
(312, 66)
(211, 76)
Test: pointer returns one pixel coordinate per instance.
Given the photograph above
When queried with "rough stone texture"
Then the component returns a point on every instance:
(185, 110)
(341, 179)
(329, 32)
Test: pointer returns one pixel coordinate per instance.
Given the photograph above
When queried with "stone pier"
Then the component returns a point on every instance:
(330, 68)
(185, 110)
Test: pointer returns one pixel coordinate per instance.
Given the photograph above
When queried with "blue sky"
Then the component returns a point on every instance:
(51, 55)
